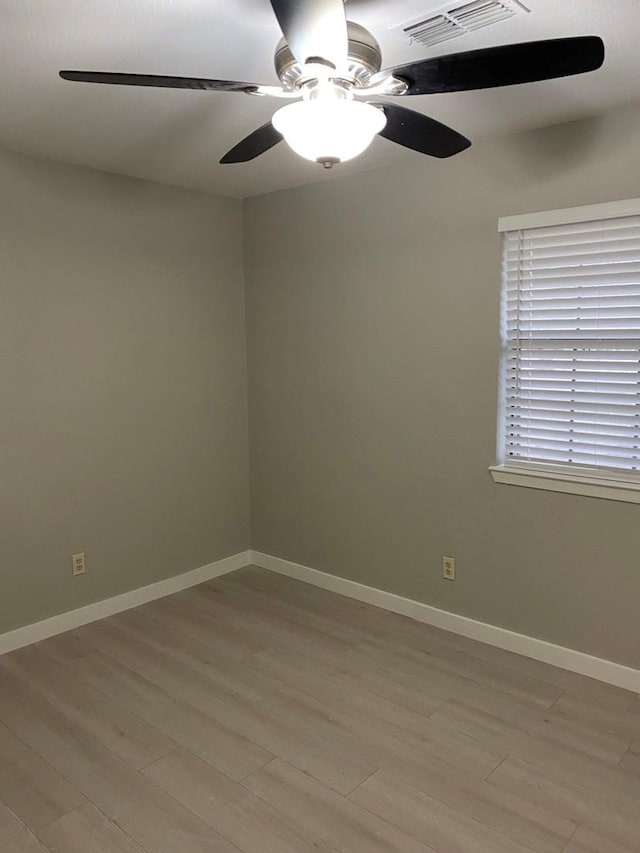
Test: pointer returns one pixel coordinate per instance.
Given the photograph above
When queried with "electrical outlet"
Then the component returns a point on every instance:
(449, 568)
(77, 564)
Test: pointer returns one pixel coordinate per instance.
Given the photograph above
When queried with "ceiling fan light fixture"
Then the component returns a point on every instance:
(329, 130)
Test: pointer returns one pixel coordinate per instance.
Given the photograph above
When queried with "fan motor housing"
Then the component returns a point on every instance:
(365, 60)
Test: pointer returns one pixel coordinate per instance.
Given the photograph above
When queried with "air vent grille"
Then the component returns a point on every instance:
(455, 21)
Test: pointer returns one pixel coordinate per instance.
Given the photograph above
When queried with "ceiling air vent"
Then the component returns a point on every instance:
(453, 21)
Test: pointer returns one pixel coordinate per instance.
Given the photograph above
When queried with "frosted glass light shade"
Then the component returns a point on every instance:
(329, 130)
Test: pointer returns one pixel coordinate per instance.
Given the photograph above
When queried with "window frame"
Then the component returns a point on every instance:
(596, 482)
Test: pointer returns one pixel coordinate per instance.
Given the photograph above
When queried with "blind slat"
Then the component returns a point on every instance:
(531, 423)
(519, 280)
(571, 242)
(621, 284)
(601, 225)
(597, 409)
(587, 460)
(555, 431)
(574, 256)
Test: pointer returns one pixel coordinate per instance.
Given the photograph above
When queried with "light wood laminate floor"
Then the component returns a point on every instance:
(256, 713)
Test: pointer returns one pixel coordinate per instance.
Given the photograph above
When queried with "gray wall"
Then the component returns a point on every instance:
(122, 384)
(373, 356)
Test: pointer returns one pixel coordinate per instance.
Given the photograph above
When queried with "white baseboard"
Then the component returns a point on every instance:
(570, 659)
(107, 607)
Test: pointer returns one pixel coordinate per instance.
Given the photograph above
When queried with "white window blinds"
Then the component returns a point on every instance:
(571, 347)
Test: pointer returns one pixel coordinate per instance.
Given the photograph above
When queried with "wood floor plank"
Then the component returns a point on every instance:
(599, 694)
(339, 692)
(498, 809)
(605, 813)
(34, 791)
(256, 827)
(585, 841)
(440, 655)
(562, 760)
(14, 835)
(336, 690)
(239, 677)
(227, 638)
(250, 823)
(426, 638)
(423, 817)
(262, 629)
(116, 727)
(187, 777)
(550, 726)
(320, 619)
(631, 761)
(334, 766)
(413, 694)
(365, 618)
(516, 684)
(227, 750)
(609, 720)
(430, 641)
(382, 625)
(285, 618)
(397, 667)
(501, 810)
(337, 820)
(151, 817)
(93, 769)
(352, 733)
(87, 829)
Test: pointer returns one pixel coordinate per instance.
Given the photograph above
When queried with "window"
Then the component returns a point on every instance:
(570, 369)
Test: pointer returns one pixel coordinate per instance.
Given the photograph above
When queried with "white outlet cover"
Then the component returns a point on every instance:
(77, 563)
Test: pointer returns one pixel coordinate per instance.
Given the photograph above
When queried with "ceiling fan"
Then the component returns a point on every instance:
(329, 68)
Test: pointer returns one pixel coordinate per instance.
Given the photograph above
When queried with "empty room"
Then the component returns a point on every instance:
(320, 433)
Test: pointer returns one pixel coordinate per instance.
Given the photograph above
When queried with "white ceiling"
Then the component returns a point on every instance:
(177, 136)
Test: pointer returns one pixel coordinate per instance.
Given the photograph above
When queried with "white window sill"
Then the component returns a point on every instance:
(592, 487)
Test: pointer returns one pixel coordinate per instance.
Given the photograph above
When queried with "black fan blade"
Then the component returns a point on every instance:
(503, 66)
(314, 29)
(421, 133)
(158, 80)
(254, 145)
